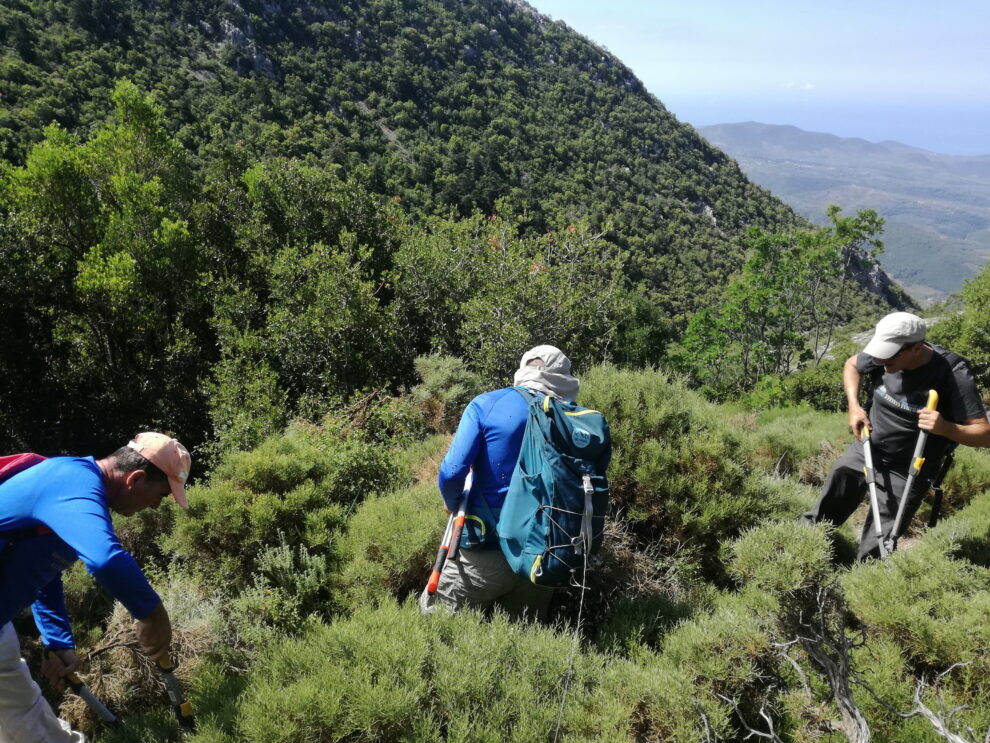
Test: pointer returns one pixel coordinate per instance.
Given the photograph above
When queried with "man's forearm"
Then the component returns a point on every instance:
(967, 434)
(850, 382)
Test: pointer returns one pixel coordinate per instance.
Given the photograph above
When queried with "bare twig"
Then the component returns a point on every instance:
(771, 735)
(941, 719)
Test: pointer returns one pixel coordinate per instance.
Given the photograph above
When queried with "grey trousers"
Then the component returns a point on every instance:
(25, 716)
(481, 579)
(844, 490)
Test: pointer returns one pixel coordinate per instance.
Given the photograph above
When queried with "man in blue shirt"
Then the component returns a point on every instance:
(51, 514)
(487, 442)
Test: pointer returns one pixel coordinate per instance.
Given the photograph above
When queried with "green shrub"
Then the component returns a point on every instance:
(641, 623)
(969, 530)
(933, 605)
(289, 584)
(725, 651)
(394, 420)
(882, 670)
(783, 558)
(678, 472)
(390, 543)
(294, 490)
(447, 387)
(795, 441)
(821, 386)
(968, 478)
(345, 465)
(142, 533)
(394, 674)
(87, 602)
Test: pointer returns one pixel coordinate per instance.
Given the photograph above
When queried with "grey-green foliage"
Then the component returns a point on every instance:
(394, 674)
(296, 490)
(447, 387)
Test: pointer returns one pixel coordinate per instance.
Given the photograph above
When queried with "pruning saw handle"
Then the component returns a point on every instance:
(183, 709)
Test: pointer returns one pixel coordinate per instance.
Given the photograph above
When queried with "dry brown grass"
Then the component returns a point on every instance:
(626, 570)
(125, 679)
(813, 471)
(428, 470)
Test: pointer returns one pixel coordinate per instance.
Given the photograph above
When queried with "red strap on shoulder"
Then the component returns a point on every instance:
(11, 464)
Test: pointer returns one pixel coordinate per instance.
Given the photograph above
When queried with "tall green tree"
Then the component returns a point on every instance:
(478, 289)
(782, 309)
(103, 276)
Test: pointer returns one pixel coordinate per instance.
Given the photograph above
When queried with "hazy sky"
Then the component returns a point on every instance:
(911, 71)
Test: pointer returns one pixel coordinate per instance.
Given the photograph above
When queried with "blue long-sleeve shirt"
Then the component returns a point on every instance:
(488, 439)
(66, 495)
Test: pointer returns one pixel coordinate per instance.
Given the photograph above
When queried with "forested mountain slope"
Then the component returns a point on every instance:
(249, 212)
(446, 104)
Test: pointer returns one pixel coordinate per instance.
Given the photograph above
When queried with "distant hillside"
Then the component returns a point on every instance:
(937, 207)
(448, 105)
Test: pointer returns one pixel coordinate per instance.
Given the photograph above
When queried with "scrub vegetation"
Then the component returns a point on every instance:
(292, 583)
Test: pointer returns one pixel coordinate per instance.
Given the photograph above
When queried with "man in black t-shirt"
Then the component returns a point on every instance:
(904, 369)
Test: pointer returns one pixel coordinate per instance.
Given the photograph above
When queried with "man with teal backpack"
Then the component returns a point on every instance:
(535, 508)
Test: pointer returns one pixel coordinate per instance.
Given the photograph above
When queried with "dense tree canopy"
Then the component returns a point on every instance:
(448, 105)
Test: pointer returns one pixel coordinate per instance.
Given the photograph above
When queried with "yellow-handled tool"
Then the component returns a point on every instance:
(183, 710)
(917, 463)
(871, 481)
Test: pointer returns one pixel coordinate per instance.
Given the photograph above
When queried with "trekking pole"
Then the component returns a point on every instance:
(871, 480)
(183, 709)
(82, 691)
(917, 463)
(451, 538)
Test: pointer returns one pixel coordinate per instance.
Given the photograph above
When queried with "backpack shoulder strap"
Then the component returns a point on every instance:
(12, 464)
(955, 360)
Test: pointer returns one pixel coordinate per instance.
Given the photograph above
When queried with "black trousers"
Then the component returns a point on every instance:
(844, 490)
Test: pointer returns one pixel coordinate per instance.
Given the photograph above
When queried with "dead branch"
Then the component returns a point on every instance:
(942, 719)
(770, 735)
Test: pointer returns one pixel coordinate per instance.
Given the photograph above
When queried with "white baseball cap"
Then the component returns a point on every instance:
(893, 332)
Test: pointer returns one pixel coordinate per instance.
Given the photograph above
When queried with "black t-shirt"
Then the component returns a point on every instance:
(898, 397)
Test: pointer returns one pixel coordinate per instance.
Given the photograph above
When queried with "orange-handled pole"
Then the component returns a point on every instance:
(434, 581)
(451, 538)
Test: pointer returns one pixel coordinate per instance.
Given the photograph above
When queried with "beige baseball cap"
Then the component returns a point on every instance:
(169, 456)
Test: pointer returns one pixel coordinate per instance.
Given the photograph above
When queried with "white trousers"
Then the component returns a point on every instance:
(25, 716)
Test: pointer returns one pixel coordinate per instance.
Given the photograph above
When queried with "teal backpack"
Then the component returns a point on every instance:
(553, 520)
